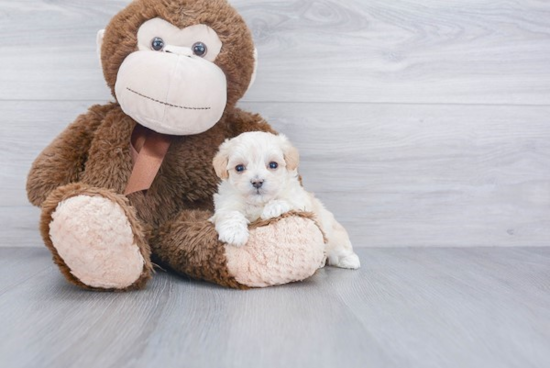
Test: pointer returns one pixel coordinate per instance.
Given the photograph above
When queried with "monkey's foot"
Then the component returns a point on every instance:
(95, 238)
(281, 250)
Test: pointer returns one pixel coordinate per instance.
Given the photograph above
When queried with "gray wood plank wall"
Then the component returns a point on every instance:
(420, 123)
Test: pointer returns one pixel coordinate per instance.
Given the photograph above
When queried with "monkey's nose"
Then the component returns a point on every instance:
(257, 183)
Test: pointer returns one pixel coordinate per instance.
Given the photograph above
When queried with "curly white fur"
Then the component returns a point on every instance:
(260, 180)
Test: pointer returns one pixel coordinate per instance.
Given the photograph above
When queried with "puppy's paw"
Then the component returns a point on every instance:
(275, 209)
(351, 261)
(237, 236)
(233, 232)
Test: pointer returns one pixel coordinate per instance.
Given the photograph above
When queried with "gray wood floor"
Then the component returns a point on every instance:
(407, 307)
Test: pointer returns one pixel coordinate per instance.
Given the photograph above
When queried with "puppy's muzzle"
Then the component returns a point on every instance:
(257, 183)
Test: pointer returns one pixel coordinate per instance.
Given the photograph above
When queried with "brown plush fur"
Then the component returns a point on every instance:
(190, 245)
(63, 161)
(93, 152)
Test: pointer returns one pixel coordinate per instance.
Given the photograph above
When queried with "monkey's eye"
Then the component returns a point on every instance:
(239, 168)
(157, 44)
(273, 165)
(199, 49)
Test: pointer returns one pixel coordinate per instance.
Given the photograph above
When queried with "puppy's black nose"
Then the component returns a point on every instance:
(257, 183)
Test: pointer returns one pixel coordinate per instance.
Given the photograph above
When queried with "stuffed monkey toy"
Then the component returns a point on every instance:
(130, 183)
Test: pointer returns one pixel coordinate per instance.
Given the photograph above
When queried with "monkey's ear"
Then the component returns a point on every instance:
(220, 164)
(99, 42)
(253, 78)
(290, 153)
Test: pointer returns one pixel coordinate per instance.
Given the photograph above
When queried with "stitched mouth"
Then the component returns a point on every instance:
(166, 103)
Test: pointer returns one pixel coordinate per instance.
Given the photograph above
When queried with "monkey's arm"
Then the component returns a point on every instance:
(63, 160)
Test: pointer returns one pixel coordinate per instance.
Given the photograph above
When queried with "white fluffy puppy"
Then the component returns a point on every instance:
(260, 180)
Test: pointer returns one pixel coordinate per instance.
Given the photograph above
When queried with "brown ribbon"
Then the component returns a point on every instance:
(148, 149)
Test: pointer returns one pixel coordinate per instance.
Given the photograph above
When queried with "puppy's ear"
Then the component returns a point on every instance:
(291, 154)
(220, 162)
(292, 158)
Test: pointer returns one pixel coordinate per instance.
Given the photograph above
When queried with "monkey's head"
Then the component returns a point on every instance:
(174, 66)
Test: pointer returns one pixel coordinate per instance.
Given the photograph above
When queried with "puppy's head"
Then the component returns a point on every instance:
(257, 164)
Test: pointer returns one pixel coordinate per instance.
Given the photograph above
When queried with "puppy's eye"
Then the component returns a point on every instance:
(273, 165)
(239, 168)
